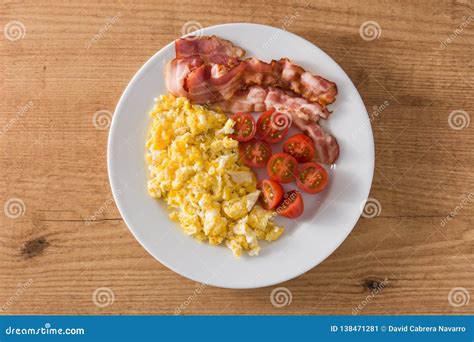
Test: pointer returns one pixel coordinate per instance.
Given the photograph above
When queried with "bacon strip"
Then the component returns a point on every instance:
(210, 49)
(176, 73)
(286, 75)
(223, 56)
(257, 99)
(295, 105)
(312, 87)
(213, 82)
(249, 100)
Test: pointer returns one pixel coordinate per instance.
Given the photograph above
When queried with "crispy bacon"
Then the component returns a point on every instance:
(211, 76)
(312, 87)
(257, 99)
(286, 75)
(176, 73)
(210, 49)
(249, 100)
(261, 73)
(223, 56)
(213, 82)
(295, 105)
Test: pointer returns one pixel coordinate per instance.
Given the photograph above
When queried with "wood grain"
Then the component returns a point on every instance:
(72, 63)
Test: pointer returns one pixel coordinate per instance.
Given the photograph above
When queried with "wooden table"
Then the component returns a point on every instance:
(61, 62)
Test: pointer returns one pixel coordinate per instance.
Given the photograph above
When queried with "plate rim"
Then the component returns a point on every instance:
(124, 215)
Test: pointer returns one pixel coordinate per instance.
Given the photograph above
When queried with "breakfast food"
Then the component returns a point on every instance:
(272, 193)
(203, 162)
(195, 167)
(210, 70)
(312, 178)
(216, 71)
(255, 153)
(257, 99)
(292, 204)
(301, 147)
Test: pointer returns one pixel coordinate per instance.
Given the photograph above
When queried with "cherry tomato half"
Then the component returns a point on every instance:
(301, 147)
(255, 153)
(282, 168)
(312, 178)
(244, 128)
(292, 205)
(273, 126)
(272, 193)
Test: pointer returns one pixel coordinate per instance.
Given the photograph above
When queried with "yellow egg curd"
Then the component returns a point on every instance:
(194, 166)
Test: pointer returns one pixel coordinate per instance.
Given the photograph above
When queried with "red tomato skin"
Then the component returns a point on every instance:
(305, 142)
(292, 205)
(237, 135)
(276, 194)
(249, 144)
(322, 175)
(265, 132)
(276, 175)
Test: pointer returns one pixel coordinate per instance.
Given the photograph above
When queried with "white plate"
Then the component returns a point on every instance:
(328, 218)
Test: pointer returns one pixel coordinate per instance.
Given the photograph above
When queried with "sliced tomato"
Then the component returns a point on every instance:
(282, 168)
(301, 147)
(244, 128)
(273, 126)
(272, 193)
(292, 205)
(312, 178)
(255, 153)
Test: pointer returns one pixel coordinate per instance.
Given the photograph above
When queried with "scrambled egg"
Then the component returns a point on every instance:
(194, 166)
